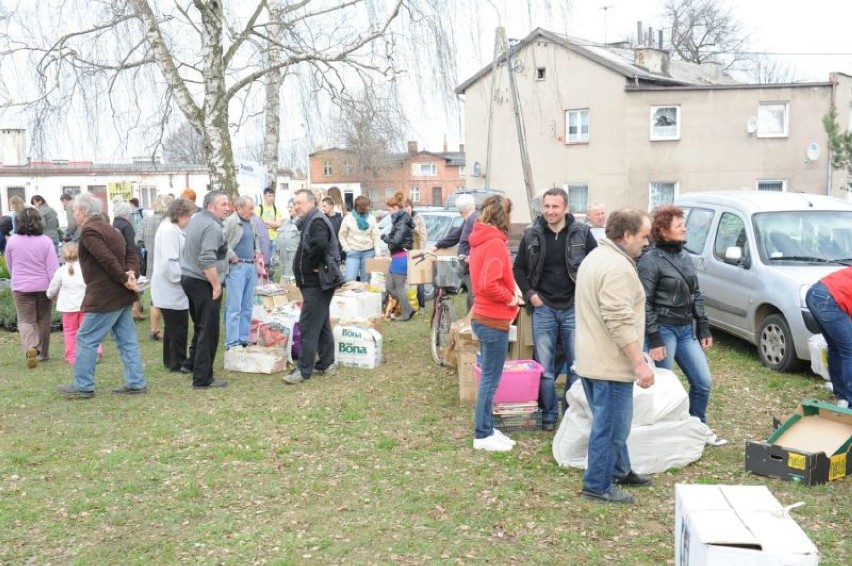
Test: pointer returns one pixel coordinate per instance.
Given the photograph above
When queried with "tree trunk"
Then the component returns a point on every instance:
(272, 125)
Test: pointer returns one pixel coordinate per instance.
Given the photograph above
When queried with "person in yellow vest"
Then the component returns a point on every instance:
(272, 219)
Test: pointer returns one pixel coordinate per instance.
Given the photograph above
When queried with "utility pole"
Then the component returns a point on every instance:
(519, 118)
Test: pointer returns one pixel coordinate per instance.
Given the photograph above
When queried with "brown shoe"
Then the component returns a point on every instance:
(32, 358)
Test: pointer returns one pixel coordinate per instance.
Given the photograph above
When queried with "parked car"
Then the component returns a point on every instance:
(757, 254)
(439, 223)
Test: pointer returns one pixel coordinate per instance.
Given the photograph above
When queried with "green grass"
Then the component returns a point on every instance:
(362, 467)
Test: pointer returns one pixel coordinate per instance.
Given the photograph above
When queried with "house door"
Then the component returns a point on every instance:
(100, 191)
(437, 196)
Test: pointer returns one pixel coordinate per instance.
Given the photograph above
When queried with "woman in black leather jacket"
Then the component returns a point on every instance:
(400, 239)
(675, 321)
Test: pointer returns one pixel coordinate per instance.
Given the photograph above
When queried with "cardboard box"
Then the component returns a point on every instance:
(357, 347)
(374, 322)
(734, 524)
(355, 304)
(466, 350)
(255, 359)
(522, 348)
(272, 302)
(419, 268)
(378, 264)
(813, 446)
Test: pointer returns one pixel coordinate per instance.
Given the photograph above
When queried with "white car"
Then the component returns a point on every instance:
(757, 254)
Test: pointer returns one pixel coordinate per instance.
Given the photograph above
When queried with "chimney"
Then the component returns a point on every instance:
(461, 148)
(660, 40)
(652, 60)
(412, 147)
(639, 29)
(445, 144)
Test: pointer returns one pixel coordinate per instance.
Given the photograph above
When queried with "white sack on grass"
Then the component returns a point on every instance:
(663, 435)
(666, 400)
(818, 348)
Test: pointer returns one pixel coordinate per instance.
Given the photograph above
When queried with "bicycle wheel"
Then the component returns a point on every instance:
(440, 335)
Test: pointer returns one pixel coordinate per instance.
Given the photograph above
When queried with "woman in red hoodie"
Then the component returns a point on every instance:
(495, 306)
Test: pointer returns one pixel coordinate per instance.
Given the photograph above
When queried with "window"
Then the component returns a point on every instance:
(374, 195)
(414, 194)
(577, 125)
(731, 233)
(698, 222)
(540, 73)
(665, 123)
(348, 168)
(389, 192)
(424, 169)
(662, 192)
(578, 197)
(772, 120)
(327, 170)
(72, 190)
(776, 185)
(461, 171)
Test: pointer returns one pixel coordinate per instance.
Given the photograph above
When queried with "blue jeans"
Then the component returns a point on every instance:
(836, 327)
(493, 347)
(548, 325)
(611, 403)
(95, 327)
(684, 348)
(356, 264)
(241, 282)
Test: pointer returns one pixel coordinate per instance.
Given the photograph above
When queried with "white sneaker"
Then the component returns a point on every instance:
(840, 403)
(492, 443)
(503, 437)
(715, 439)
(830, 386)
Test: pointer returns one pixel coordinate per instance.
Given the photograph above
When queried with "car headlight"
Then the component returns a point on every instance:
(803, 292)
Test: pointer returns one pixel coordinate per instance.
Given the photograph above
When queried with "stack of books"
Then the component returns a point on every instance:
(510, 409)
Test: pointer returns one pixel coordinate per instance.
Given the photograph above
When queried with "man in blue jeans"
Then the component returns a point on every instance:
(245, 260)
(109, 267)
(545, 269)
(610, 303)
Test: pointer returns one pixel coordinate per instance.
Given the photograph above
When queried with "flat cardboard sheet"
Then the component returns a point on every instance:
(814, 434)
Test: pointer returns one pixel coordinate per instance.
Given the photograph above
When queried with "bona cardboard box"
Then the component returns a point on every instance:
(736, 524)
(813, 446)
(358, 347)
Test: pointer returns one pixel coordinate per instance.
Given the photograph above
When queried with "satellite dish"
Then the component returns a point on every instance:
(751, 125)
(813, 151)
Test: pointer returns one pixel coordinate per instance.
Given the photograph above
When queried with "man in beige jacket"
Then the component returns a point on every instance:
(610, 307)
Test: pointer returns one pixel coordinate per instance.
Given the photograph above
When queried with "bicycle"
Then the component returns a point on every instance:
(446, 283)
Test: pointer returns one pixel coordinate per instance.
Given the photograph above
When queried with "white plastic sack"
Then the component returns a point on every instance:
(818, 348)
(663, 435)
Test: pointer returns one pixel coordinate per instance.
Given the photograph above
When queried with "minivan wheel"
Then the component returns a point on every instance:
(775, 344)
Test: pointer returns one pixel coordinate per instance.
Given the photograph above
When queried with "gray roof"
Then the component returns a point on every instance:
(620, 60)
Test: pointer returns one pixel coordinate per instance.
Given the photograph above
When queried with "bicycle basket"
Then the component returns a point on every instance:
(447, 272)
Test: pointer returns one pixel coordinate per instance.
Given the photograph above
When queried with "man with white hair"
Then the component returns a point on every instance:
(461, 236)
(203, 266)
(245, 259)
(109, 267)
(596, 219)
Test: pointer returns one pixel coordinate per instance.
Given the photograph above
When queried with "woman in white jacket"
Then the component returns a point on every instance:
(166, 291)
(68, 288)
(359, 238)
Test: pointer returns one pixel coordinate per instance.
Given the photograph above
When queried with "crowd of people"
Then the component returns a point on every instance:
(601, 304)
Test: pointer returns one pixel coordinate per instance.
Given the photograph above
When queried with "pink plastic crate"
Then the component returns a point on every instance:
(519, 382)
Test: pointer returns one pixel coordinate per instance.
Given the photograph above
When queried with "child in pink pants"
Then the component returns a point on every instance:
(68, 288)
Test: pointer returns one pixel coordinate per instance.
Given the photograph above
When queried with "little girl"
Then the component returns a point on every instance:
(68, 285)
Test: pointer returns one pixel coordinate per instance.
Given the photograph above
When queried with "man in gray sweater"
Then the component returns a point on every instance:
(204, 266)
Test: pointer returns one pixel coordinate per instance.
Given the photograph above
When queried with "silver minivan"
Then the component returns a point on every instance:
(757, 254)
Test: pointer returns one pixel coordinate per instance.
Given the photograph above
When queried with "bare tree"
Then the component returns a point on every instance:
(768, 70)
(371, 127)
(207, 58)
(184, 145)
(704, 31)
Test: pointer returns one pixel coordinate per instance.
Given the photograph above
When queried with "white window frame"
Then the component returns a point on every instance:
(575, 187)
(759, 182)
(348, 168)
(665, 133)
(462, 170)
(580, 136)
(327, 169)
(425, 170)
(651, 186)
(764, 118)
(414, 194)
